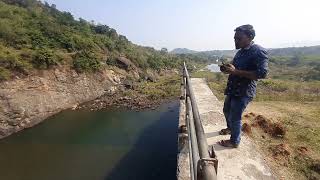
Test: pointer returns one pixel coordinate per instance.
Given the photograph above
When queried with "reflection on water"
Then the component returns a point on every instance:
(85, 145)
(214, 68)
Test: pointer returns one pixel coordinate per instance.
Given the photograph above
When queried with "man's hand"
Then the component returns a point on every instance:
(223, 69)
(229, 69)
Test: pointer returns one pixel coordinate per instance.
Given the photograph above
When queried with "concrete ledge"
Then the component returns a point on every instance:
(244, 162)
(183, 168)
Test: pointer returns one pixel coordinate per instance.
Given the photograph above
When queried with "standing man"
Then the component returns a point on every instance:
(249, 64)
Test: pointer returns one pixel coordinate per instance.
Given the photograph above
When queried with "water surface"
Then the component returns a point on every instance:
(83, 145)
(214, 68)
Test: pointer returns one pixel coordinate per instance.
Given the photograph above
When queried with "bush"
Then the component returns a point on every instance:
(111, 61)
(86, 61)
(274, 85)
(44, 59)
(4, 74)
(38, 40)
(12, 61)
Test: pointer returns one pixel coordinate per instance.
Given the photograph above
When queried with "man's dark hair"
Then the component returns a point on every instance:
(247, 30)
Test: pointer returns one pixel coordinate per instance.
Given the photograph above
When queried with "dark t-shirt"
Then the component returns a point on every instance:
(255, 58)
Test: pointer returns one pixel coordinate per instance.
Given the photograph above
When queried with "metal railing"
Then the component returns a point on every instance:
(203, 164)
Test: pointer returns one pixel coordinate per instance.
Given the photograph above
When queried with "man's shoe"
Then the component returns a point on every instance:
(228, 143)
(225, 131)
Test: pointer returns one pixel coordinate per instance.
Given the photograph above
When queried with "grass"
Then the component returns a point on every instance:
(4, 74)
(301, 121)
(165, 87)
(288, 90)
(267, 89)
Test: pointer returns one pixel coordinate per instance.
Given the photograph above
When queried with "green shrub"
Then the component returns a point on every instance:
(38, 40)
(44, 59)
(12, 61)
(4, 74)
(164, 87)
(275, 85)
(86, 61)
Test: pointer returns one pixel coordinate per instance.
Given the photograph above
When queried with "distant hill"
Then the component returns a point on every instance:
(290, 51)
(204, 54)
(219, 53)
(183, 51)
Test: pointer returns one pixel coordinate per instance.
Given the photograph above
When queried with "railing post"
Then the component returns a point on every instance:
(194, 151)
(204, 164)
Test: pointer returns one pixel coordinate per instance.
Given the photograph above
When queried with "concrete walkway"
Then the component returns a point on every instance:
(241, 163)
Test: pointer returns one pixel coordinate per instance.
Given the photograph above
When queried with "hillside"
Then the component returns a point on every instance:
(37, 36)
(50, 61)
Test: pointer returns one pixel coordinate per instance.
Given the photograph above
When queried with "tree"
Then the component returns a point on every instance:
(46, 4)
(44, 59)
(22, 3)
(164, 50)
(101, 29)
(66, 18)
(123, 38)
(295, 60)
(86, 61)
(53, 6)
(113, 34)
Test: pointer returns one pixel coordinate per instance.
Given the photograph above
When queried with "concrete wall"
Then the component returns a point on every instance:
(183, 167)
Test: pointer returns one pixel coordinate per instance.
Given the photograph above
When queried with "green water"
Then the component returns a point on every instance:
(84, 145)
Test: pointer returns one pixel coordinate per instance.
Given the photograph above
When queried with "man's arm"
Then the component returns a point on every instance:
(230, 69)
(261, 62)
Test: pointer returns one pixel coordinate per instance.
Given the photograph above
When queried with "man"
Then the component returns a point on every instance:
(249, 64)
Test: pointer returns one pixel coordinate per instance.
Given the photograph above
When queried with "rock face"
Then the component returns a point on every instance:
(26, 102)
(123, 62)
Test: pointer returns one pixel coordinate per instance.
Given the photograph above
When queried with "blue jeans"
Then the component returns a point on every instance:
(233, 109)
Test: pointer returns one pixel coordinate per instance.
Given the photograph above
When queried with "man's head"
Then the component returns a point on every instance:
(243, 36)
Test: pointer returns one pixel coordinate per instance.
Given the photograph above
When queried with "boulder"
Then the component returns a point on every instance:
(124, 63)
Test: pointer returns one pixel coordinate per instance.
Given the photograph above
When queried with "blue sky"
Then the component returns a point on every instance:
(203, 24)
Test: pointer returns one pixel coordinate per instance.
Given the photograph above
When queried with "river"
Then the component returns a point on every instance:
(83, 145)
(213, 68)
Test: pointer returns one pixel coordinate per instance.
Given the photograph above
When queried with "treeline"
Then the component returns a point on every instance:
(294, 63)
(292, 51)
(36, 35)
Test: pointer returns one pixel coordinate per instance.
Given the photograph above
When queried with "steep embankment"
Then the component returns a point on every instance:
(50, 61)
(26, 102)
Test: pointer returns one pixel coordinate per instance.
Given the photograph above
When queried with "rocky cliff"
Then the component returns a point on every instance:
(26, 102)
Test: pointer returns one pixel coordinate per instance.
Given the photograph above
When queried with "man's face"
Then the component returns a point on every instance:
(241, 40)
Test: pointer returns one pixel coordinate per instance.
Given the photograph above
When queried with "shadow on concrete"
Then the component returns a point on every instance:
(154, 156)
(218, 147)
(212, 134)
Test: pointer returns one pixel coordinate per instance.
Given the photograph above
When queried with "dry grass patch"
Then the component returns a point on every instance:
(289, 135)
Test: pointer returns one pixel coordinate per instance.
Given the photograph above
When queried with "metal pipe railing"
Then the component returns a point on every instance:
(202, 166)
(194, 154)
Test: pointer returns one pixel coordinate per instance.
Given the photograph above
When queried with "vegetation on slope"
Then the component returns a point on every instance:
(36, 35)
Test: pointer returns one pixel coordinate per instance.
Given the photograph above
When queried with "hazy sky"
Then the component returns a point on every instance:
(203, 24)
